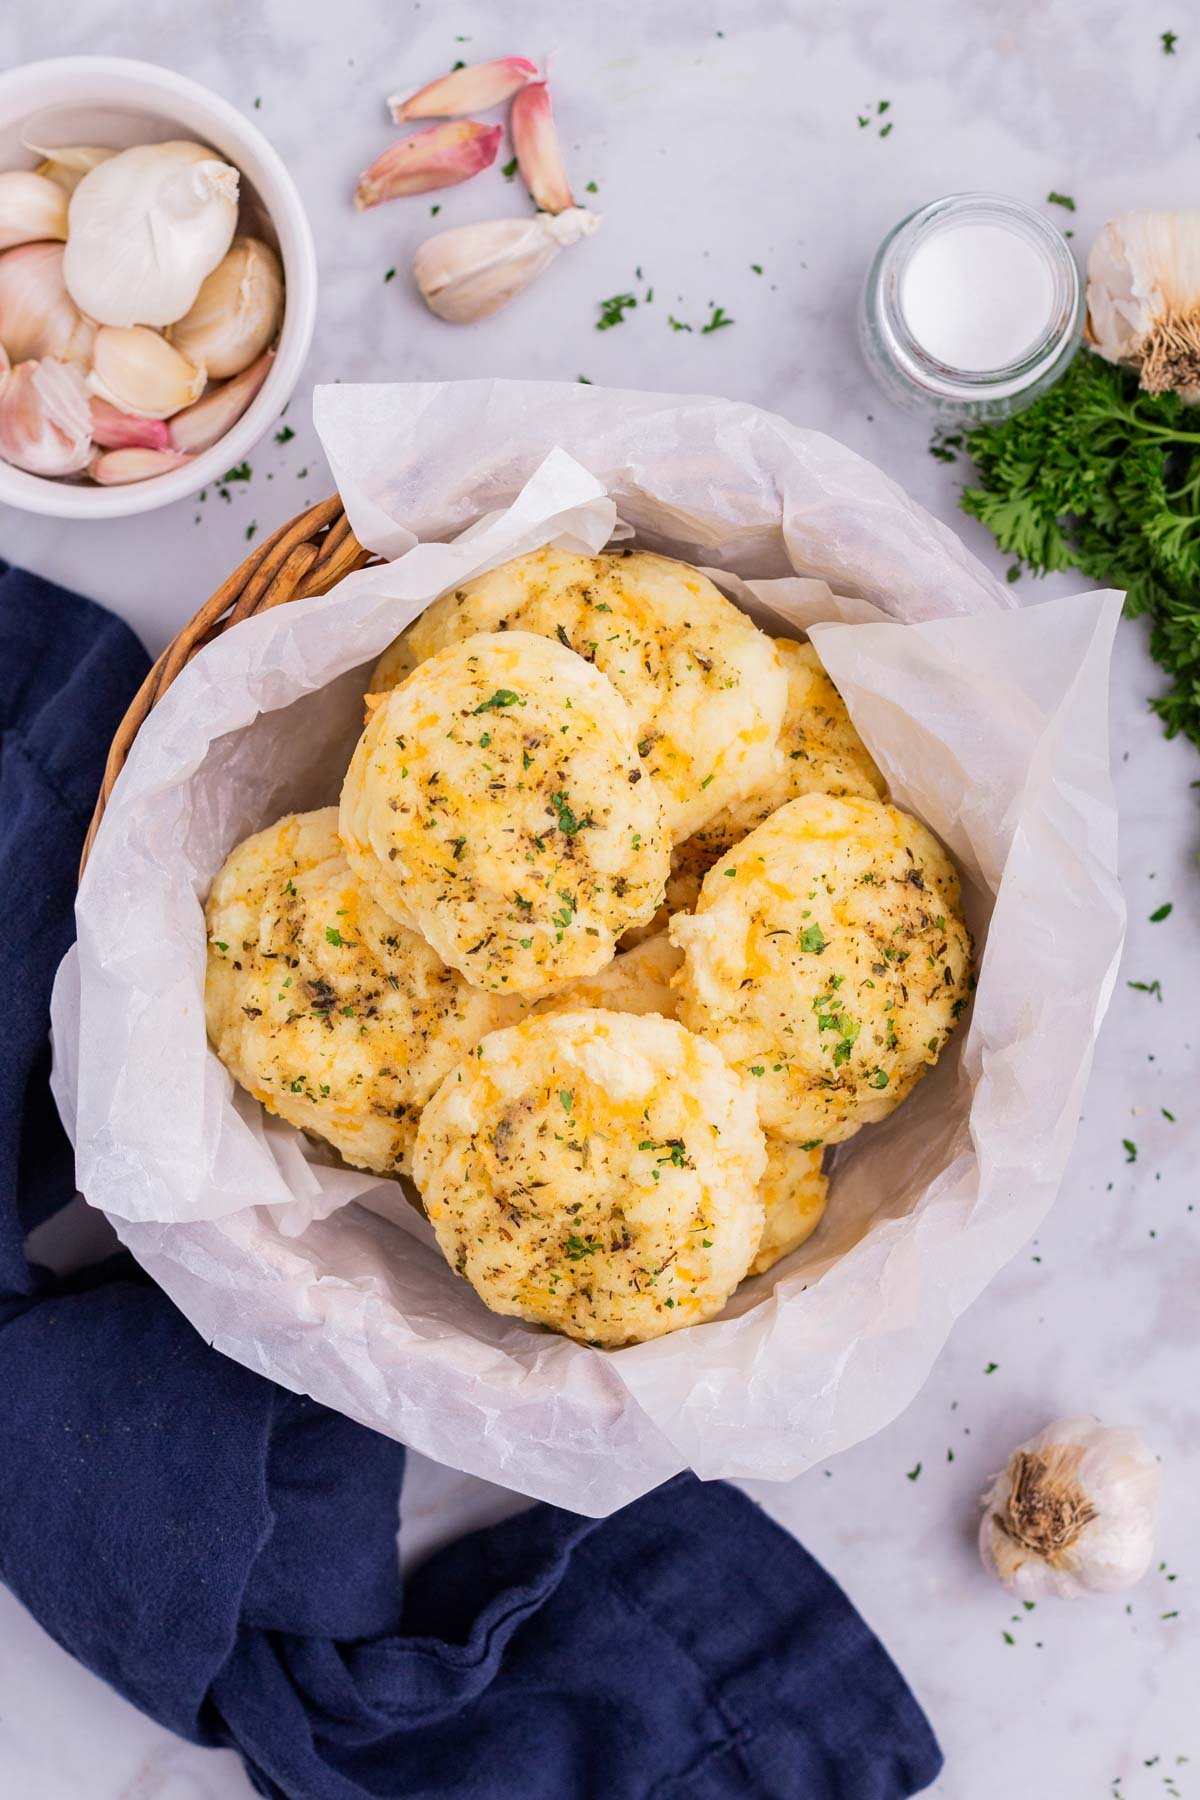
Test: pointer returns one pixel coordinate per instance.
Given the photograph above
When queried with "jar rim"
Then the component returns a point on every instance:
(944, 379)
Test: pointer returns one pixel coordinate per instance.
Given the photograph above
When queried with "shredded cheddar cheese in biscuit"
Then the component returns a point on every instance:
(332, 1015)
(705, 686)
(497, 801)
(828, 960)
(595, 1172)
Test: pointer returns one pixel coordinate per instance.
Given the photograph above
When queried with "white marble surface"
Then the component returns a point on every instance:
(720, 137)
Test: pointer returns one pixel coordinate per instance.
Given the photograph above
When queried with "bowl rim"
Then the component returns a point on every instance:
(126, 82)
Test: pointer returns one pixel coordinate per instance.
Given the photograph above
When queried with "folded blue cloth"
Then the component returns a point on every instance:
(224, 1553)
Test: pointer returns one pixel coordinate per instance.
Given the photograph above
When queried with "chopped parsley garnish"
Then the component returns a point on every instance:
(389, 276)
(220, 945)
(591, 188)
(879, 1079)
(333, 936)
(501, 697)
(757, 268)
(1130, 1149)
(460, 844)
(613, 310)
(1146, 987)
(510, 168)
(1168, 40)
(1053, 199)
(991, 1368)
(812, 938)
(914, 1473)
(566, 1098)
(284, 435)
(812, 1143)
(677, 324)
(578, 1248)
(567, 821)
(1161, 912)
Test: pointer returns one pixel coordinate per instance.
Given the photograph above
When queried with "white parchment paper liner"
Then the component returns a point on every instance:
(990, 724)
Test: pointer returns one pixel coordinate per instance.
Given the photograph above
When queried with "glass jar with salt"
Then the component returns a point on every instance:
(972, 308)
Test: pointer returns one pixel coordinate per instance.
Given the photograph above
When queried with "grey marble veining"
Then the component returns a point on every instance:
(720, 137)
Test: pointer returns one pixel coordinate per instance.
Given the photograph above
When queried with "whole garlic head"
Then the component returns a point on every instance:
(1143, 297)
(1073, 1513)
(144, 228)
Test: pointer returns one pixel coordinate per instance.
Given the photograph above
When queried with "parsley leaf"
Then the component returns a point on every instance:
(501, 697)
(812, 938)
(613, 310)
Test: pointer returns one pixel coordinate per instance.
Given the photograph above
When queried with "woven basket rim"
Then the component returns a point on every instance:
(306, 556)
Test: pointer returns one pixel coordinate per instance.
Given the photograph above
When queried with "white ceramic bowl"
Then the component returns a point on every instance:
(110, 100)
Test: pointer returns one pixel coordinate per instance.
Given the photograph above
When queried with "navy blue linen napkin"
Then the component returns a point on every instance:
(223, 1552)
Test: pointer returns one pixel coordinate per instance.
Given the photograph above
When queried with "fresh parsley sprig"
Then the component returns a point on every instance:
(1099, 476)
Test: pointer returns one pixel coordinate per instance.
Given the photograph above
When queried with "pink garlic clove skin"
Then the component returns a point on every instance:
(113, 429)
(44, 423)
(38, 317)
(464, 91)
(114, 468)
(539, 158)
(201, 426)
(439, 157)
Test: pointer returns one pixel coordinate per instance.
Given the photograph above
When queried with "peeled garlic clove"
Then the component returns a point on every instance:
(44, 424)
(115, 467)
(68, 165)
(202, 425)
(136, 370)
(37, 315)
(535, 141)
(441, 156)
(31, 208)
(467, 90)
(113, 429)
(237, 311)
(1073, 1513)
(145, 228)
(473, 270)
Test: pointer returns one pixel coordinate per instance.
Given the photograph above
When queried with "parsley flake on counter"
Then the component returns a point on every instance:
(284, 435)
(1130, 1149)
(240, 472)
(677, 324)
(720, 318)
(991, 1368)
(390, 276)
(757, 268)
(1056, 199)
(1161, 912)
(1168, 40)
(251, 528)
(1146, 987)
(914, 1473)
(591, 188)
(510, 168)
(613, 310)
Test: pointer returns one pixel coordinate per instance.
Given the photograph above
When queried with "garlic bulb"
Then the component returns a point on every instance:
(1073, 1513)
(136, 370)
(44, 424)
(237, 311)
(30, 208)
(145, 228)
(200, 426)
(67, 166)
(37, 315)
(1143, 297)
(473, 270)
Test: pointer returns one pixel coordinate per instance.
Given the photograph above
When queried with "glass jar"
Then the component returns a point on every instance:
(921, 381)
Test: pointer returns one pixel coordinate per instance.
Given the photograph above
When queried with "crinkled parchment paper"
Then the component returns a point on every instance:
(990, 723)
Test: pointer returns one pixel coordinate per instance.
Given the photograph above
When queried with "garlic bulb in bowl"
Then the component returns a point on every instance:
(1073, 1513)
(236, 313)
(144, 228)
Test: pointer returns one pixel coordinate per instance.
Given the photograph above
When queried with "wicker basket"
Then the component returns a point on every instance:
(308, 556)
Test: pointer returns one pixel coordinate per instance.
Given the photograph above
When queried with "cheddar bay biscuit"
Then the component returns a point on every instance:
(496, 799)
(828, 960)
(596, 1172)
(793, 1192)
(706, 687)
(820, 753)
(330, 1013)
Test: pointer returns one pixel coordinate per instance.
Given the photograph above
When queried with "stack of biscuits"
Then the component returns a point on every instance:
(613, 934)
